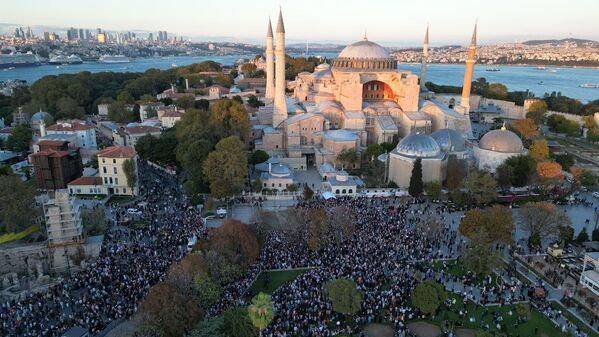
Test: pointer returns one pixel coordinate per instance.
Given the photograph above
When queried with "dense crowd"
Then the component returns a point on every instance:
(130, 262)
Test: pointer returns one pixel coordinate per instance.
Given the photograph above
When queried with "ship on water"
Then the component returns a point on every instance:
(114, 59)
(16, 60)
(61, 59)
(590, 85)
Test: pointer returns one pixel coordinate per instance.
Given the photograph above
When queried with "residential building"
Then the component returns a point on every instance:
(589, 278)
(85, 134)
(63, 219)
(87, 186)
(55, 165)
(110, 165)
(129, 135)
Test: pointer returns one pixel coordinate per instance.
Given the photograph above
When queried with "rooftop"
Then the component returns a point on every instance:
(117, 152)
(86, 181)
(70, 127)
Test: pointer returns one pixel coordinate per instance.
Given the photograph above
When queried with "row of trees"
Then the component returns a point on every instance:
(175, 306)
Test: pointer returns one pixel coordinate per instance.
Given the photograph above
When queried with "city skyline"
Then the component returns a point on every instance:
(384, 21)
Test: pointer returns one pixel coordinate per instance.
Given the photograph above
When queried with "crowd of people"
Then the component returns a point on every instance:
(130, 262)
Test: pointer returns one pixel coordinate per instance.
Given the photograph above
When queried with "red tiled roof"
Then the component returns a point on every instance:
(141, 129)
(52, 153)
(172, 114)
(118, 152)
(71, 127)
(86, 181)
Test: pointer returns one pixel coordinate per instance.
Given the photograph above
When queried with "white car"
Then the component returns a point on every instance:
(221, 212)
(596, 194)
(134, 211)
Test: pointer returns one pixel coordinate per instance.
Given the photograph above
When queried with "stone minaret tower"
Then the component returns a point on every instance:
(424, 61)
(270, 64)
(465, 102)
(279, 113)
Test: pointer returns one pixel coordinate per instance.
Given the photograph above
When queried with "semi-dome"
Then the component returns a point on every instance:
(418, 145)
(501, 140)
(449, 140)
(365, 55)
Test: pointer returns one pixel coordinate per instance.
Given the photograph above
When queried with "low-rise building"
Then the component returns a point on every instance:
(129, 135)
(63, 219)
(85, 134)
(110, 164)
(55, 164)
(279, 177)
(343, 184)
(589, 278)
(87, 186)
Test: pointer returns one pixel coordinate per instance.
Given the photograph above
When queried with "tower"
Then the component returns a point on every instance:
(270, 65)
(280, 107)
(424, 61)
(465, 102)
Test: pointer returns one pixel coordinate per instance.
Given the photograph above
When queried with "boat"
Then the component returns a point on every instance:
(590, 85)
(15, 60)
(541, 82)
(61, 59)
(114, 59)
(173, 65)
(492, 69)
(541, 68)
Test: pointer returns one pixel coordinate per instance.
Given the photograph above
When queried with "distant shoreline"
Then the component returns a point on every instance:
(511, 65)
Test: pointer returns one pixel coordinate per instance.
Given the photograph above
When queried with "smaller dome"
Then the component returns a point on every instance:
(502, 140)
(280, 170)
(38, 116)
(418, 145)
(341, 135)
(450, 140)
(342, 176)
(323, 66)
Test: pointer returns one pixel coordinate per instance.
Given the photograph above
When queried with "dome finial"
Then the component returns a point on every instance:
(503, 127)
(365, 35)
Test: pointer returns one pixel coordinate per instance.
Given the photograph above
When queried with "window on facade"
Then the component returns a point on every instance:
(350, 191)
(116, 181)
(114, 161)
(344, 191)
(336, 191)
(104, 169)
(105, 180)
(114, 170)
(103, 161)
(273, 184)
(110, 180)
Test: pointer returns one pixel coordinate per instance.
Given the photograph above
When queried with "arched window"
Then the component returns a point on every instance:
(350, 191)
(336, 191)
(344, 191)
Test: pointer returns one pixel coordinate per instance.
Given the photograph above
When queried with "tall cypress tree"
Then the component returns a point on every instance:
(416, 185)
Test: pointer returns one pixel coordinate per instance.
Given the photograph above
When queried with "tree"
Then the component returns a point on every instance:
(455, 173)
(236, 322)
(229, 117)
(345, 296)
(566, 160)
(258, 157)
(308, 193)
(481, 186)
(494, 224)
(209, 327)
(261, 311)
(522, 167)
(416, 186)
(527, 128)
(582, 237)
(566, 234)
(206, 290)
(130, 170)
(348, 158)
(20, 139)
(373, 151)
(220, 268)
(226, 168)
(537, 111)
(428, 296)
(68, 109)
(504, 175)
(472, 221)
(94, 220)
(496, 90)
(17, 204)
(235, 241)
(125, 97)
(173, 313)
(120, 112)
(588, 179)
(248, 68)
(318, 227)
(341, 224)
(593, 135)
(542, 219)
(433, 189)
(257, 185)
(539, 151)
(480, 257)
(549, 172)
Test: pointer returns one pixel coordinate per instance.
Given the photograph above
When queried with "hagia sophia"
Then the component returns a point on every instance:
(362, 98)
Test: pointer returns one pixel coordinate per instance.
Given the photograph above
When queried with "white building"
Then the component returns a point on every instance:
(279, 177)
(63, 219)
(495, 147)
(343, 184)
(87, 185)
(590, 278)
(129, 135)
(85, 134)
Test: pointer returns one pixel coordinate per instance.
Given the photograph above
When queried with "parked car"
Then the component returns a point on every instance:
(134, 211)
(221, 212)
(596, 194)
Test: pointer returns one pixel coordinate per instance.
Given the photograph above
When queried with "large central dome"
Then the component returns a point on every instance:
(365, 55)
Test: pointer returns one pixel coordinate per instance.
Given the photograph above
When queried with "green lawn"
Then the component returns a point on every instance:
(573, 319)
(121, 199)
(509, 324)
(458, 270)
(277, 279)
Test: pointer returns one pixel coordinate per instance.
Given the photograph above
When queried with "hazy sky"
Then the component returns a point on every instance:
(390, 22)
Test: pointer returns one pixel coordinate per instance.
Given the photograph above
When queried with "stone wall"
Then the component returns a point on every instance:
(20, 258)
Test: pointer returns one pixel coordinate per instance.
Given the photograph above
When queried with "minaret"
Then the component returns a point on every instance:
(424, 61)
(465, 102)
(270, 64)
(279, 113)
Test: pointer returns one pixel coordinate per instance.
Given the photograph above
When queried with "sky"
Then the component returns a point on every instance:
(390, 22)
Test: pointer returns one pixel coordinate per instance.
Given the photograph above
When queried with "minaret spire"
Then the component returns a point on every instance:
(270, 64)
(279, 113)
(465, 101)
(425, 51)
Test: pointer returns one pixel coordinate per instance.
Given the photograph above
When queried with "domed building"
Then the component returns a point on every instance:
(278, 177)
(410, 148)
(495, 147)
(451, 142)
